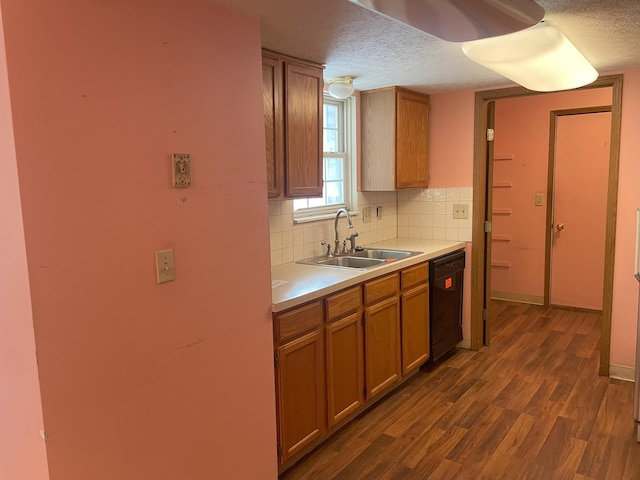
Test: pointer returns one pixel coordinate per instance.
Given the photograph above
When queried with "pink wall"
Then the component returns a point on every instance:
(451, 162)
(625, 287)
(460, 105)
(451, 140)
(141, 380)
(22, 451)
(522, 132)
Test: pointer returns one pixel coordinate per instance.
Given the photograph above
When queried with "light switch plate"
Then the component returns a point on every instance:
(461, 210)
(165, 268)
(539, 199)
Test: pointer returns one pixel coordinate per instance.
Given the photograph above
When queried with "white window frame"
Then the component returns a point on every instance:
(348, 121)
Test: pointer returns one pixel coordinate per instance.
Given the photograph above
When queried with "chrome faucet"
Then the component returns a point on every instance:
(336, 250)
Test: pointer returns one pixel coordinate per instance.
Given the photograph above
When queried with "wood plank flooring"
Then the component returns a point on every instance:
(531, 406)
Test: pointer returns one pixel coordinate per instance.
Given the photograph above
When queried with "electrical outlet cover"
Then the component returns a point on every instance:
(181, 167)
(366, 214)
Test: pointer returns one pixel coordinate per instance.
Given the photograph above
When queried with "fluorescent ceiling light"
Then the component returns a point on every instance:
(460, 20)
(540, 58)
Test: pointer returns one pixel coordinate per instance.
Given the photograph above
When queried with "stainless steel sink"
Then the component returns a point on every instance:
(384, 254)
(351, 262)
(363, 258)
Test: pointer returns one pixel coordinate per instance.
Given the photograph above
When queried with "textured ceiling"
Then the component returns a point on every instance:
(379, 52)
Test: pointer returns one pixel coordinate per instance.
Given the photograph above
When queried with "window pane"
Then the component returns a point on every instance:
(316, 202)
(331, 141)
(300, 203)
(330, 116)
(334, 192)
(333, 169)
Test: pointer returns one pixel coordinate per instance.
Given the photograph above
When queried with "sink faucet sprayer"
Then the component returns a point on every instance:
(336, 250)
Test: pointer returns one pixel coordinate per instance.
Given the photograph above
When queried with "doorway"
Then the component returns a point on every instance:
(482, 227)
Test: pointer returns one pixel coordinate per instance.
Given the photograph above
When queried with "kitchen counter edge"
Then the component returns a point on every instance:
(294, 284)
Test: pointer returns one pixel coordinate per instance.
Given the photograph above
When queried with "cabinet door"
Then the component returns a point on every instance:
(272, 86)
(301, 395)
(412, 140)
(345, 367)
(382, 345)
(415, 328)
(303, 126)
(378, 120)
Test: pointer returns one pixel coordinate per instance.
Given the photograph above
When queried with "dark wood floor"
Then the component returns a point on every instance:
(530, 406)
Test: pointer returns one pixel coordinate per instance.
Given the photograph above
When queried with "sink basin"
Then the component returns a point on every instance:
(384, 254)
(351, 262)
(365, 258)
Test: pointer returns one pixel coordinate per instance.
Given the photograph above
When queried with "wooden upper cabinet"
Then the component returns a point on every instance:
(395, 139)
(272, 100)
(293, 106)
(412, 140)
(303, 126)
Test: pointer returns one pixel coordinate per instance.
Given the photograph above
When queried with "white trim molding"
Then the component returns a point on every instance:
(622, 372)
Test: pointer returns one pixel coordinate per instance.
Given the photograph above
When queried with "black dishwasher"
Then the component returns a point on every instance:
(446, 278)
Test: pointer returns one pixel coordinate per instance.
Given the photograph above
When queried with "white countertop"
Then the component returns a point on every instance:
(294, 284)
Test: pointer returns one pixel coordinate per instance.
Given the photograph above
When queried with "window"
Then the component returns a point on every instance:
(337, 146)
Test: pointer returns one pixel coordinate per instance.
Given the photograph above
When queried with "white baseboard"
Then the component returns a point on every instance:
(517, 297)
(465, 343)
(622, 372)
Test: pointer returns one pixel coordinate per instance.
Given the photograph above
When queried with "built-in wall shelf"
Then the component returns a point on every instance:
(501, 238)
(502, 158)
(501, 211)
(502, 184)
(500, 264)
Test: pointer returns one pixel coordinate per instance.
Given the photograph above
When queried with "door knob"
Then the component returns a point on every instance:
(560, 227)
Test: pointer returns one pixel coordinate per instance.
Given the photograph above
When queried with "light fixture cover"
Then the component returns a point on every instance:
(460, 20)
(341, 87)
(539, 58)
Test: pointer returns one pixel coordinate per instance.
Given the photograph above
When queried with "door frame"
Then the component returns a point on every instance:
(481, 184)
(551, 173)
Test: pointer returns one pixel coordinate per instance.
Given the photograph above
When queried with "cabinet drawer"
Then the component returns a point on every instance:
(299, 320)
(343, 303)
(414, 275)
(381, 288)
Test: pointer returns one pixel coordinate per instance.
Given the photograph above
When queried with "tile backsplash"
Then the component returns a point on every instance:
(429, 214)
(294, 241)
(424, 214)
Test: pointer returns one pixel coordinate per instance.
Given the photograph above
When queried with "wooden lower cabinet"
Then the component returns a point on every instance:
(415, 328)
(337, 355)
(301, 404)
(345, 368)
(382, 345)
(300, 381)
